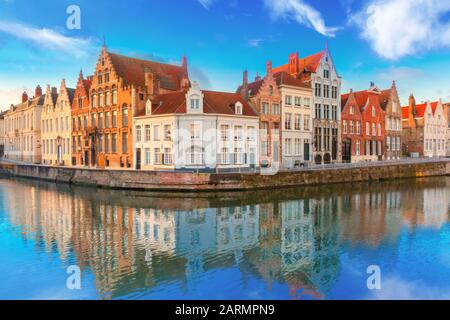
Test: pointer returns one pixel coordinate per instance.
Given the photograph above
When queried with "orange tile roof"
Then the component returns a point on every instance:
(420, 110)
(284, 78)
(132, 71)
(214, 102)
(310, 63)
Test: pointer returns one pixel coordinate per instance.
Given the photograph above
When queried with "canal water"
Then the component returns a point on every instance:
(304, 243)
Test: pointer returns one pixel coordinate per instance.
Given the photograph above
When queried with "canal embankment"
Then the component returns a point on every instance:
(191, 181)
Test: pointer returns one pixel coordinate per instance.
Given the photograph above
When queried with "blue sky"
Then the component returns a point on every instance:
(370, 40)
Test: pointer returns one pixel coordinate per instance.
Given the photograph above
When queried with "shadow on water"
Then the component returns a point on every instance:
(284, 244)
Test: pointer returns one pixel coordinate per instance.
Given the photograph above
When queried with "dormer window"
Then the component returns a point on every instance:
(195, 102)
(238, 108)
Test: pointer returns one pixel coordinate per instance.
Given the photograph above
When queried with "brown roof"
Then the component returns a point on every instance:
(214, 102)
(132, 71)
(284, 78)
(384, 98)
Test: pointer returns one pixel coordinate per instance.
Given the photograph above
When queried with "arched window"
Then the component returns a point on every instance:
(124, 115)
(93, 99)
(374, 130)
(108, 98)
(100, 99)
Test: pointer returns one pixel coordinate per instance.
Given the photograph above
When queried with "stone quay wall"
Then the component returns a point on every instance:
(188, 181)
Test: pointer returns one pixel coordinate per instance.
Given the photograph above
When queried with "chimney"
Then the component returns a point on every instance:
(54, 90)
(245, 79)
(244, 87)
(411, 110)
(269, 67)
(38, 91)
(293, 63)
(184, 64)
(372, 84)
(149, 81)
(24, 97)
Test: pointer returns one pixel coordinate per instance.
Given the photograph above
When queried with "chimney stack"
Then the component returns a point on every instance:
(24, 97)
(245, 79)
(38, 91)
(184, 63)
(293, 63)
(150, 81)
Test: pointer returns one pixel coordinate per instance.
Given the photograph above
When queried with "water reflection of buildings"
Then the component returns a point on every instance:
(131, 244)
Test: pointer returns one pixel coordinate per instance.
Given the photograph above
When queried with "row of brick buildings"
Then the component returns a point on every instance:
(134, 113)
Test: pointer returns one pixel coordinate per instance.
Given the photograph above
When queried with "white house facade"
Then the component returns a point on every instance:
(195, 129)
(435, 130)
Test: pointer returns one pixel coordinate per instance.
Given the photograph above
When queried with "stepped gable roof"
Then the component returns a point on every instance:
(132, 71)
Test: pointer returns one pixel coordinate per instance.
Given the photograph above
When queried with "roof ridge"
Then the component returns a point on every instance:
(143, 60)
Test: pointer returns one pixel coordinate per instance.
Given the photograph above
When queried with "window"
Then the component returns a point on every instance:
(114, 96)
(238, 108)
(297, 122)
(287, 146)
(287, 121)
(326, 111)
(147, 156)
(80, 102)
(224, 132)
(298, 101)
(358, 147)
(195, 131)
(344, 124)
(358, 127)
(288, 100)
(114, 119)
(379, 129)
(94, 120)
(99, 78)
(124, 116)
(275, 109)
(374, 130)
(352, 110)
(388, 143)
(265, 108)
(251, 134)
(147, 133)
(237, 133)
(100, 120)
(318, 90)
(297, 146)
(100, 99)
(138, 133)
(156, 132)
(326, 91)
(224, 157)
(352, 127)
(114, 143)
(108, 98)
(367, 129)
(271, 90)
(334, 115)
(158, 156)
(167, 133)
(318, 111)
(334, 92)
(306, 102)
(107, 116)
(326, 74)
(373, 111)
(195, 102)
(167, 156)
(306, 122)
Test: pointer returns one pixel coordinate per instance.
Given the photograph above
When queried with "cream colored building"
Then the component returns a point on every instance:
(196, 129)
(57, 126)
(2, 133)
(23, 129)
(296, 120)
(435, 131)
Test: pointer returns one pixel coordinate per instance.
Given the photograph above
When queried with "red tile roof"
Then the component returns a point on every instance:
(132, 71)
(214, 102)
(420, 110)
(309, 64)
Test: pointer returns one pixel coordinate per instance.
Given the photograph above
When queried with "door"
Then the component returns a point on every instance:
(86, 158)
(138, 159)
(334, 148)
(346, 150)
(306, 151)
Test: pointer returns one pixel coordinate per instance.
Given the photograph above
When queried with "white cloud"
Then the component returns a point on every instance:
(255, 42)
(48, 38)
(9, 96)
(300, 12)
(206, 3)
(400, 73)
(398, 28)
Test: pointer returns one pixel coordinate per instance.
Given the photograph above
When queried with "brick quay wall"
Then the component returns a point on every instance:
(188, 181)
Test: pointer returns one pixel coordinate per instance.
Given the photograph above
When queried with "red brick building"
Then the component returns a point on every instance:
(264, 95)
(363, 126)
(81, 144)
(120, 88)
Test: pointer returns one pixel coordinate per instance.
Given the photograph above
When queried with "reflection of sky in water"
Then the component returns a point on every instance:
(311, 243)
